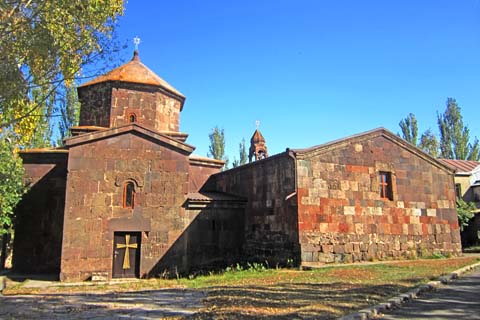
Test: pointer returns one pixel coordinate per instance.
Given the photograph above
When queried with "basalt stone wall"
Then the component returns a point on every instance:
(199, 174)
(110, 104)
(151, 107)
(39, 215)
(94, 208)
(212, 240)
(271, 229)
(95, 103)
(342, 217)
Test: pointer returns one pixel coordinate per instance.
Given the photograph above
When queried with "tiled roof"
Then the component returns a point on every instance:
(464, 166)
(135, 72)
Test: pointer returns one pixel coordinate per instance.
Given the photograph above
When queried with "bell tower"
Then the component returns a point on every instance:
(258, 148)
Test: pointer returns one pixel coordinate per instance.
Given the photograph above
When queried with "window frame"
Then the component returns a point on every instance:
(385, 185)
(130, 116)
(131, 205)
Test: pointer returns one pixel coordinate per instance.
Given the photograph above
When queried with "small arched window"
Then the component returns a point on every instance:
(128, 194)
(132, 118)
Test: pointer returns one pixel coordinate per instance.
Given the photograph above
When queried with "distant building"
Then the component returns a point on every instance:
(467, 187)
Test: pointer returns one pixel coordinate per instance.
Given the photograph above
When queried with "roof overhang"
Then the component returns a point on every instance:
(130, 128)
(379, 132)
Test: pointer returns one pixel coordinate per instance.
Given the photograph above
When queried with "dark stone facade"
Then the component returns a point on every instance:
(271, 223)
(39, 215)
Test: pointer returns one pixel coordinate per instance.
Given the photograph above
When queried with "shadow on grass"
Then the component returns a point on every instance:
(154, 304)
(293, 300)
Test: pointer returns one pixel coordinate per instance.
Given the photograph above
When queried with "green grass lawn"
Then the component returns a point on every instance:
(257, 292)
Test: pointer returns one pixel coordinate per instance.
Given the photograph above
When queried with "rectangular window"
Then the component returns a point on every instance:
(476, 193)
(385, 185)
(458, 190)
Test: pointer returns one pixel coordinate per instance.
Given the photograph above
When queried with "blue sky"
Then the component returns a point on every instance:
(310, 71)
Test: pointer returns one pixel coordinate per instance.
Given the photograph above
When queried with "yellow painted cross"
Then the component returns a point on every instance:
(127, 246)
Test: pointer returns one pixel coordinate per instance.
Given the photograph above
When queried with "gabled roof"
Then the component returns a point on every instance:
(462, 166)
(370, 135)
(134, 72)
(134, 128)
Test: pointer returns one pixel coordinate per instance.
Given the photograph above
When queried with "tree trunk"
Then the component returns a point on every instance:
(4, 253)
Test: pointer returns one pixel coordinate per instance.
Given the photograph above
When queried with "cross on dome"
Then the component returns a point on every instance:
(136, 42)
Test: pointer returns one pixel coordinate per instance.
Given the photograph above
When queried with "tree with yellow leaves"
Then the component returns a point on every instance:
(44, 46)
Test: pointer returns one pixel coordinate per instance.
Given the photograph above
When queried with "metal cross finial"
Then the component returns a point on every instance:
(136, 42)
(257, 124)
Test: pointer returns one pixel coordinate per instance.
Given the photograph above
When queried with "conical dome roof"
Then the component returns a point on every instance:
(257, 137)
(134, 72)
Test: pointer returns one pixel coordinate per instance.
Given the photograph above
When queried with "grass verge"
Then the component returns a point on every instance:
(254, 293)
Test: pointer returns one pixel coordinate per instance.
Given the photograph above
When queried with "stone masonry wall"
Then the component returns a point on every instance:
(270, 213)
(111, 104)
(95, 105)
(94, 204)
(343, 219)
(39, 215)
(213, 240)
(151, 107)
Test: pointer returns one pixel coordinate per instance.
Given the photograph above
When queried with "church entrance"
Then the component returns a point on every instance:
(126, 254)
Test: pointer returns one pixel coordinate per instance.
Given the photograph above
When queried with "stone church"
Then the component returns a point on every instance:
(125, 196)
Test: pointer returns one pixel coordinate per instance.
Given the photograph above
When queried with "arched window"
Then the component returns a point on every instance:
(128, 194)
(132, 118)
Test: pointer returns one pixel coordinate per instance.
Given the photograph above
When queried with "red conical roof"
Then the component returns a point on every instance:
(135, 72)
(257, 137)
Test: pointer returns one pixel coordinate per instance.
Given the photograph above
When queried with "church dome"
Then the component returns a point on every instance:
(134, 72)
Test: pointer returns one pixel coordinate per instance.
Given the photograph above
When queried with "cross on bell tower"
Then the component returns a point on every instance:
(258, 148)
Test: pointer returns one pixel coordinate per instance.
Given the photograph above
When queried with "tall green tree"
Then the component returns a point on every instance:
(242, 151)
(45, 45)
(429, 143)
(11, 183)
(216, 149)
(454, 135)
(70, 113)
(409, 129)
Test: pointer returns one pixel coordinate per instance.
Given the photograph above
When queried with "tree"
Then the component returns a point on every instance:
(217, 145)
(242, 150)
(11, 190)
(429, 143)
(465, 211)
(70, 113)
(11, 184)
(409, 129)
(454, 135)
(45, 45)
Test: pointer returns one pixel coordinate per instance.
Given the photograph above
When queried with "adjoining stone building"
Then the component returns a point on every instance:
(125, 197)
(369, 196)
